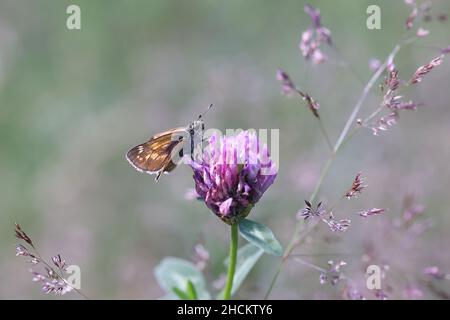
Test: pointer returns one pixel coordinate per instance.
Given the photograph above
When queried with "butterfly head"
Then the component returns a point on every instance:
(197, 125)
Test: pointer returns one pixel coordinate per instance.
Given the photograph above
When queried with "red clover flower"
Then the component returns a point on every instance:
(233, 174)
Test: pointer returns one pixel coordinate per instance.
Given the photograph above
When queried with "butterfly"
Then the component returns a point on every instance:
(164, 151)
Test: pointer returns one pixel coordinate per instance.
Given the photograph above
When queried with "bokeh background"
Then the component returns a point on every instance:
(73, 102)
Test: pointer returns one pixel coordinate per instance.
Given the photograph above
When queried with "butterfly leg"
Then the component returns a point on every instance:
(158, 175)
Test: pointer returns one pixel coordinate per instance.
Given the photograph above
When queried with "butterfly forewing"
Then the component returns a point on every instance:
(163, 152)
(156, 155)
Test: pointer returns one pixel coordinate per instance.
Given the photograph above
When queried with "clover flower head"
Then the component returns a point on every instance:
(233, 174)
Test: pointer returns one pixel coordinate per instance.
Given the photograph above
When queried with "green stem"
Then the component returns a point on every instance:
(325, 134)
(232, 264)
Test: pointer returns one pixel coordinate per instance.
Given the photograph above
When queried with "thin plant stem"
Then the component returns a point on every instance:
(325, 134)
(343, 138)
(319, 120)
(312, 255)
(363, 96)
(60, 276)
(366, 90)
(311, 265)
(295, 237)
(232, 264)
(322, 177)
(372, 115)
(345, 63)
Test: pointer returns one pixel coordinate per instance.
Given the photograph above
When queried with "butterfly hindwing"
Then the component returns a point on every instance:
(162, 153)
(155, 155)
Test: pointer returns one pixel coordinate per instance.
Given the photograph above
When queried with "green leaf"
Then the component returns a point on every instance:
(247, 257)
(174, 272)
(261, 236)
(192, 293)
(180, 293)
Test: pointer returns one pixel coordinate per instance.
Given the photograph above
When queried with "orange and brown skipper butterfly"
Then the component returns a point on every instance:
(158, 155)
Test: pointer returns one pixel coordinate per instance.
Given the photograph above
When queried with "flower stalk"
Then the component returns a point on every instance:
(232, 263)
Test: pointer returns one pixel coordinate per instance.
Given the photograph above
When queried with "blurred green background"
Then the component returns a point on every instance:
(73, 102)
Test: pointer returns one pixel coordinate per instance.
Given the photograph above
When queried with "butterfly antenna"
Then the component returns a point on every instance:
(204, 112)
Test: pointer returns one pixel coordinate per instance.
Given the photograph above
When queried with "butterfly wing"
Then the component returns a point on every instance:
(155, 155)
